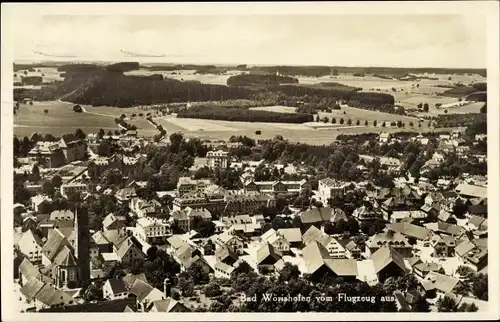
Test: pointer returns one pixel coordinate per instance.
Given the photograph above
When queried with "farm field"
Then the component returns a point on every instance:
(50, 74)
(187, 75)
(277, 108)
(354, 114)
(60, 119)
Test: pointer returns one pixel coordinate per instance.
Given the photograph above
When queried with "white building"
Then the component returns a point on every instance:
(152, 230)
(31, 245)
(330, 189)
(218, 159)
(71, 188)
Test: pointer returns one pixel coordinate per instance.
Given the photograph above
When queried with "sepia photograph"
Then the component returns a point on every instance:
(249, 158)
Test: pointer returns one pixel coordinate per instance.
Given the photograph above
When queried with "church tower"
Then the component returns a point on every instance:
(82, 244)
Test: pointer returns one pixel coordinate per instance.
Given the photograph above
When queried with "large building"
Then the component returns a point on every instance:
(278, 186)
(152, 230)
(187, 185)
(47, 154)
(218, 159)
(330, 189)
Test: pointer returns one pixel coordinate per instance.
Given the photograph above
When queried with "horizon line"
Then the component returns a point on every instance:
(37, 61)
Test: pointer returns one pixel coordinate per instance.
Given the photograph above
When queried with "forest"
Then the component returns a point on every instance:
(212, 112)
(260, 79)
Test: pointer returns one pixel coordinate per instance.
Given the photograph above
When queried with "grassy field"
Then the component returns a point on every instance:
(61, 119)
(277, 108)
(49, 74)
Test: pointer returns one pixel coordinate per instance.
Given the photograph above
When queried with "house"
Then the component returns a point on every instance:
(443, 245)
(168, 305)
(447, 229)
(152, 230)
(366, 214)
(316, 216)
(114, 289)
(144, 208)
(49, 297)
(222, 270)
(62, 215)
(471, 191)
(334, 248)
(292, 235)
(438, 284)
(319, 264)
(352, 250)
(445, 216)
(181, 219)
(384, 137)
(388, 262)
(128, 251)
(266, 258)
(218, 159)
(395, 240)
(229, 240)
(421, 234)
(125, 195)
(331, 189)
(277, 240)
(112, 222)
(73, 147)
(226, 255)
(30, 244)
(130, 279)
(199, 261)
(70, 189)
(186, 185)
(422, 269)
(47, 154)
(145, 295)
(37, 200)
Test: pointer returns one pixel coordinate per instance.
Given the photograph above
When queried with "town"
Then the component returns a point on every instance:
(124, 223)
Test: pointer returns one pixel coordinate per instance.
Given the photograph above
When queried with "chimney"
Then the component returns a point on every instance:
(167, 287)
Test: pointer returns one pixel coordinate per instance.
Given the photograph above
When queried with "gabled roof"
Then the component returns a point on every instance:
(343, 267)
(65, 257)
(292, 235)
(140, 289)
(410, 230)
(55, 242)
(314, 255)
(463, 248)
(314, 215)
(129, 279)
(224, 252)
(441, 282)
(117, 286)
(386, 255)
(265, 251)
(125, 247)
(176, 241)
(50, 296)
(31, 287)
(168, 304)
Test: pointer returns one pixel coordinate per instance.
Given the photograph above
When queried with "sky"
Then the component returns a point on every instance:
(457, 41)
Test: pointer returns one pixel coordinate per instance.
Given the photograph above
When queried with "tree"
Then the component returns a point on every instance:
(48, 188)
(35, 172)
(79, 134)
(375, 123)
(46, 111)
(349, 122)
(317, 118)
(341, 121)
(465, 272)
(383, 124)
(213, 290)
(358, 122)
(366, 123)
(419, 105)
(483, 109)
(445, 111)
(196, 275)
(426, 107)
(334, 120)
(288, 273)
(465, 307)
(446, 304)
(480, 286)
